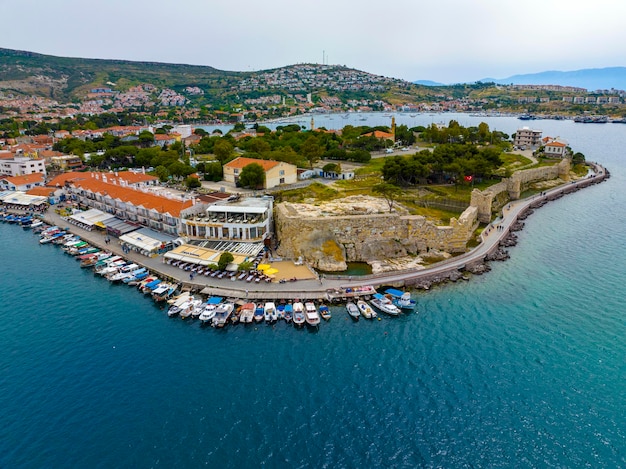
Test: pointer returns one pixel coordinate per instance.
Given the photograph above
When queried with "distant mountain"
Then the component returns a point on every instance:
(590, 78)
(428, 83)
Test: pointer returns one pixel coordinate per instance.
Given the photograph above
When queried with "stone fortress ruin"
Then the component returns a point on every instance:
(328, 235)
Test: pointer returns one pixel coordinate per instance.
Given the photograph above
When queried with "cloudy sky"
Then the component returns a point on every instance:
(447, 41)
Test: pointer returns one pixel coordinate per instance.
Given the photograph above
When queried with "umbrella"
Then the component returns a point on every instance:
(263, 267)
(271, 271)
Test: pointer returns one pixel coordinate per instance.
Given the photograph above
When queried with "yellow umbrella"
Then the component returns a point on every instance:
(271, 271)
(263, 267)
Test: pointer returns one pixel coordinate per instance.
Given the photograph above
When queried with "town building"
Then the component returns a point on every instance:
(128, 196)
(236, 219)
(21, 165)
(276, 172)
(526, 137)
(555, 149)
(22, 183)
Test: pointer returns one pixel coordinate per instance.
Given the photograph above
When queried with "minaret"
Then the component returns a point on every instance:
(393, 127)
(312, 124)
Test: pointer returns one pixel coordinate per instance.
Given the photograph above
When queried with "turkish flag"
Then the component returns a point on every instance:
(469, 178)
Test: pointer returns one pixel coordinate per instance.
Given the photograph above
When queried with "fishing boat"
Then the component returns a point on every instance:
(311, 314)
(325, 312)
(150, 286)
(259, 312)
(163, 291)
(269, 312)
(384, 304)
(222, 313)
(298, 314)
(366, 310)
(246, 314)
(353, 310)
(288, 312)
(402, 299)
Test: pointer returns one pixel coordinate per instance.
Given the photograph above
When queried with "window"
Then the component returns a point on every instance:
(282, 172)
(236, 171)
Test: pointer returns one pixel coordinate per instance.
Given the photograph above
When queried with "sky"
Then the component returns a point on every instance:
(447, 41)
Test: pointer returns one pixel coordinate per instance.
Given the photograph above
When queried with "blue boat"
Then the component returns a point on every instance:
(401, 299)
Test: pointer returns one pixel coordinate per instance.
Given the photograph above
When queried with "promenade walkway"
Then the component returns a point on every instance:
(316, 289)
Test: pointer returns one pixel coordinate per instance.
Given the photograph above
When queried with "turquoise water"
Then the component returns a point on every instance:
(522, 367)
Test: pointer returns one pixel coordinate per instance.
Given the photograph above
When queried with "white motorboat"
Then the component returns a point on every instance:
(222, 313)
(384, 304)
(365, 310)
(298, 314)
(353, 310)
(269, 312)
(311, 315)
(190, 307)
(207, 313)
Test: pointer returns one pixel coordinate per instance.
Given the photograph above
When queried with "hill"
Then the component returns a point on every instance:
(589, 78)
(65, 78)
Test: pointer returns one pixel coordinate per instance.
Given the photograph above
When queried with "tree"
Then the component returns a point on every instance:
(162, 173)
(388, 191)
(225, 259)
(311, 150)
(252, 176)
(222, 150)
(192, 182)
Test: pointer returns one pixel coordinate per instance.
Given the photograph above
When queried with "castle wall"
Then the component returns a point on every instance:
(493, 198)
(328, 243)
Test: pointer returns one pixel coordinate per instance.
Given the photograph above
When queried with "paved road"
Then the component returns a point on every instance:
(490, 239)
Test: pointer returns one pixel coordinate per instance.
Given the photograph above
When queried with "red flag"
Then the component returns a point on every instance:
(469, 178)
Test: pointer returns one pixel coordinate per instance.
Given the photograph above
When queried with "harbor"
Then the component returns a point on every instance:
(188, 289)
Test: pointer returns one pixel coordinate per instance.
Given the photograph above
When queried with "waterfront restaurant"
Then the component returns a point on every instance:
(247, 219)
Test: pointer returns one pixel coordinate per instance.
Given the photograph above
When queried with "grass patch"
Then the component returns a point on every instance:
(317, 191)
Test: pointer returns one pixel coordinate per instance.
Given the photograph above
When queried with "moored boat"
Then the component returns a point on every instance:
(259, 312)
(311, 315)
(246, 314)
(222, 313)
(269, 312)
(384, 305)
(325, 312)
(353, 310)
(298, 314)
(402, 299)
(366, 310)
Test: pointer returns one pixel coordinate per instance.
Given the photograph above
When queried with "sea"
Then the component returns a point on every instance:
(523, 367)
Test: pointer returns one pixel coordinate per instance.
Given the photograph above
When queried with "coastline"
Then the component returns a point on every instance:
(494, 239)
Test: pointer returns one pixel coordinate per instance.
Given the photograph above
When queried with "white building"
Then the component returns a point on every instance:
(242, 220)
(21, 165)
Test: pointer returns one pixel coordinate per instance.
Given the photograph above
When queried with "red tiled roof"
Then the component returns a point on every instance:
(127, 176)
(555, 144)
(26, 179)
(135, 197)
(379, 134)
(41, 190)
(242, 162)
